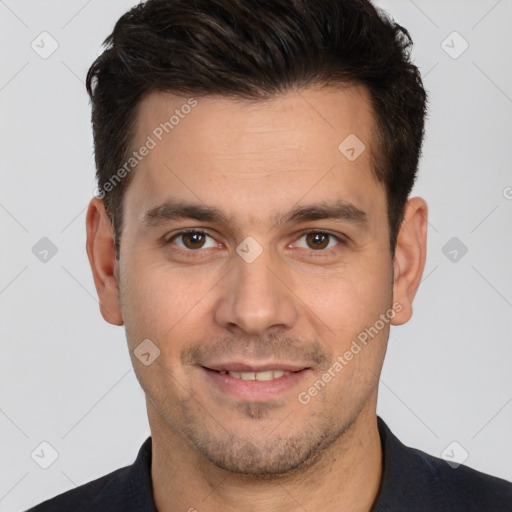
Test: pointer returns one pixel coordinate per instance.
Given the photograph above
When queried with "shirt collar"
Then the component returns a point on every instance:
(139, 480)
(408, 477)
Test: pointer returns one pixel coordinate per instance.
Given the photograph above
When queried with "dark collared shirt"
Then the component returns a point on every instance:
(412, 481)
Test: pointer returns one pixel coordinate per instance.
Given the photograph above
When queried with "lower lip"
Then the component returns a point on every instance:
(256, 390)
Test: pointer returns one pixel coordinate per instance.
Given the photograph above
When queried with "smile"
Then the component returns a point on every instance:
(255, 384)
(266, 375)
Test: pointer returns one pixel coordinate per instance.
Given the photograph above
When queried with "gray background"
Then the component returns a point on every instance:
(65, 374)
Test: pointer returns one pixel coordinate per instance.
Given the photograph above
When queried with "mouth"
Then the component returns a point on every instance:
(261, 376)
(253, 382)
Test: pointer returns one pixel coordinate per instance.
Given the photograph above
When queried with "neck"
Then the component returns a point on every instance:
(346, 477)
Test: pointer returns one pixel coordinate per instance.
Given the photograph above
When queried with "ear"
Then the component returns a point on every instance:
(410, 255)
(102, 258)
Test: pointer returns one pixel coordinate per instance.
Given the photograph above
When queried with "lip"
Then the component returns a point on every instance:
(255, 390)
(247, 367)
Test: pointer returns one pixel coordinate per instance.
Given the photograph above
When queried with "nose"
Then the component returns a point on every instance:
(256, 297)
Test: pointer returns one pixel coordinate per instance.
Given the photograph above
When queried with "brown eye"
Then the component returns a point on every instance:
(192, 240)
(318, 241)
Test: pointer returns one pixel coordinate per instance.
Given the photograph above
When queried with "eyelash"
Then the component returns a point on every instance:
(197, 253)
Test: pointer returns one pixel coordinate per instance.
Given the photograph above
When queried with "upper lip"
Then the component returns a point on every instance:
(254, 367)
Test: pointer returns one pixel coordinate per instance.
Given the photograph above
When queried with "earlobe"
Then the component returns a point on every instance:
(410, 257)
(102, 258)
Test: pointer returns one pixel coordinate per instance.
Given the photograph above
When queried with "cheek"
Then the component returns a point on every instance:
(161, 303)
(352, 328)
(151, 298)
(347, 300)
(349, 311)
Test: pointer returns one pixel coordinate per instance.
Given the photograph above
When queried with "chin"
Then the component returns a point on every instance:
(265, 457)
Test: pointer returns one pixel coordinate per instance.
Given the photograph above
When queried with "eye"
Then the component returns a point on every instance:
(319, 241)
(192, 240)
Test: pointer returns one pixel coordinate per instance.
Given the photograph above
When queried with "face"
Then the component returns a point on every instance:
(255, 256)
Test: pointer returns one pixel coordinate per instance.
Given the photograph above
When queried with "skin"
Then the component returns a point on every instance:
(296, 302)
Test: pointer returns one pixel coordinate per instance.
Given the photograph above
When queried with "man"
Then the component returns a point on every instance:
(254, 234)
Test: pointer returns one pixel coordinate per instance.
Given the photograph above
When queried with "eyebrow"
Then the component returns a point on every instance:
(175, 210)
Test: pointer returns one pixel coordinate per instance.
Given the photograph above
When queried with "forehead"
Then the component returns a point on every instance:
(326, 112)
(265, 155)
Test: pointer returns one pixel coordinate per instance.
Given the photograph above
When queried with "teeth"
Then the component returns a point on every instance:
(267, 375)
